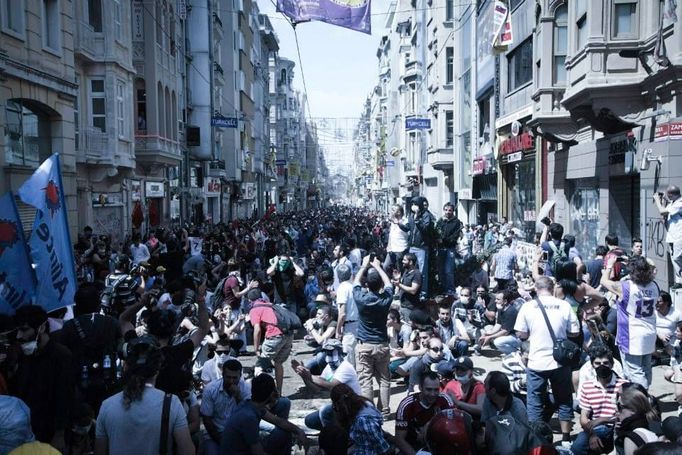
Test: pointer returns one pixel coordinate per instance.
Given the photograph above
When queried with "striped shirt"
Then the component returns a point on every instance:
(600, 400)
(513, 367)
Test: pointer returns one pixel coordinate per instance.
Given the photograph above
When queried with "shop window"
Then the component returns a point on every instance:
(585, 216)
(13, 17)
(520, 65)
(51, 26)
(95, 15)
(521, 181)
(581, 23)
(98, 112)
(27, 134)
(560, 45)
(624, 21)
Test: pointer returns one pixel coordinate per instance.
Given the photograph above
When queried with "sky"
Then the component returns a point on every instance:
(340, 65)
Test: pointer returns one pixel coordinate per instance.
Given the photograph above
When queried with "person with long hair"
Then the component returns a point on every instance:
(360, 420)
(131, 420)
(635, 418)
(636, 333)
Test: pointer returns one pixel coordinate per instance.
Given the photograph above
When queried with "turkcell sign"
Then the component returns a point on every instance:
(417, 124)
(225, 122)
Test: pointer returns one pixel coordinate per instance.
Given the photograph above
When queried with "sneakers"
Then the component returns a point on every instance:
(477, 349)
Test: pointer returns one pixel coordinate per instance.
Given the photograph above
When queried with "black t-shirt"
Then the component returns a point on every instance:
(407, 300)
(507, 318)
(594, 267)
(284, 282)
(176, 372)
(101, 336)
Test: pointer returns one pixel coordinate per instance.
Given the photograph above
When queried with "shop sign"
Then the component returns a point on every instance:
(138, 21)
(417, 124)
(280, 162)
(479, 166)
(249, 190)
(518, 143)
(106, 199)
(390, 163)
(514, 157)
(671, 131)
(155, 189)
(293, 169)
(620, 145)
(465, 194)
(224, 122)
(213, 186)
(135, 190)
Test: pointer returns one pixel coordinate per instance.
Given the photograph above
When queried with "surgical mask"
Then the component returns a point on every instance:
(499, 306)
(283, 264)
(29, 347)
(603, 372)
(465, 300)
(82, 430)
(463, 379)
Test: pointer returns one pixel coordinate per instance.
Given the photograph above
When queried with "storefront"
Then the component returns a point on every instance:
(212, 192)
(518, 184)
(155, 192)
(484, 189)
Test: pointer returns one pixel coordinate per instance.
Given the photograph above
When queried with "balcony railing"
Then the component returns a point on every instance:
(95, 144)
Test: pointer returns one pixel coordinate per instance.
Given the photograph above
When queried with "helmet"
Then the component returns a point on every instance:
(449, 432)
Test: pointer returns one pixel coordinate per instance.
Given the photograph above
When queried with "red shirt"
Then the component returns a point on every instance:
(454, 388)
(228, 291)
(265, 315)
(413, 416)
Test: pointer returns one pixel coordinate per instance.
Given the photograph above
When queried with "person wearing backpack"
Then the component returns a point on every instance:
(276, 346)
(556, 250)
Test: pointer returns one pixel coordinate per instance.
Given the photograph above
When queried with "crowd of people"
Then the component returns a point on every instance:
(152, 358)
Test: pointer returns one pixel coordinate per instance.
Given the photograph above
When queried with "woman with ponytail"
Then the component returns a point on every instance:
(131, 420)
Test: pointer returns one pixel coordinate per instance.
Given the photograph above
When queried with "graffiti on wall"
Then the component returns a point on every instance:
(108, 221)
(655, 238)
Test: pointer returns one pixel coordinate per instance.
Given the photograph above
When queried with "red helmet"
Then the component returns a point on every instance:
(450, 432)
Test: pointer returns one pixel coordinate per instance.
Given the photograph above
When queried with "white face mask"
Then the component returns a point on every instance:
(29, 347)
(465, 300)
(222, 358)
(333, 360)
(463, 379)
(499, 306)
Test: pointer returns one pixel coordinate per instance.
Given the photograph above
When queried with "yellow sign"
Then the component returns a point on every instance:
(293, 169)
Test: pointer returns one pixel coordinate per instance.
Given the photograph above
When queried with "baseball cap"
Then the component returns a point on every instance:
(160, 269)
(332, 344)
(464, 362)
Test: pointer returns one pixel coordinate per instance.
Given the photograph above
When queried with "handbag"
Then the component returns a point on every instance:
(565, 352)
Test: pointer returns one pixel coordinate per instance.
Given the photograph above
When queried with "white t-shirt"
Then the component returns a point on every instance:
(674, 221)
(345, 374)
(665, 325)
(530, 320)
(139, 253)
(196, 244)
(397, 238)
(344, 294)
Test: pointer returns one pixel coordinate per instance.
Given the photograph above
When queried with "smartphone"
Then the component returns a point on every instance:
(371, 257)
(545, 256)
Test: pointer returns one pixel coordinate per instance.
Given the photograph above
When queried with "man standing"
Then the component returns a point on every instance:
(637, 247)
(542, 368)
(372, 354)
(449, 228)
(340, 257)
(282, 271)
(421, 239)
(504, 265)
(397, 239)
(408, 285)
(416, 411)
(347, 325)
(139, 251)
(672, 212)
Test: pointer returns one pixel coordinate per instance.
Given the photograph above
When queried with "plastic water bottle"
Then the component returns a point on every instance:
(107, 367)
(85, 379)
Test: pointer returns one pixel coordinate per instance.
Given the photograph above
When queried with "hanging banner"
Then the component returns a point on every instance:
(50, 240)
(502, 25)
(352, 14)
(17, 280)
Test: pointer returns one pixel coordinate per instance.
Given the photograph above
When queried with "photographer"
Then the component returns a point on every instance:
(121, 288)
(672, 213)
(320, 329)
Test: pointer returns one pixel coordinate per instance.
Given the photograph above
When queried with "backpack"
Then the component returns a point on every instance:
(558, 255)
(504, 435)
(287, 321)
(218, 296)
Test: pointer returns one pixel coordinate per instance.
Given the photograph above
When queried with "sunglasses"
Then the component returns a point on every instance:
(436, 348)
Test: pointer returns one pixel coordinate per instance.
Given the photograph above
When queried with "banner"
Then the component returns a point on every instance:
(50, 241)
(17, 280)
(352, 14)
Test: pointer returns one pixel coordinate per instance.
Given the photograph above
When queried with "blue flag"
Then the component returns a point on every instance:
(352, 14)
(17, 280)
(50, 241)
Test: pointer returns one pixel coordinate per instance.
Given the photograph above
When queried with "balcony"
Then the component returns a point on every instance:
(440, 159)
(413, 71)
(216, 169)
(88, 43)
(218, 74)
(156, 150)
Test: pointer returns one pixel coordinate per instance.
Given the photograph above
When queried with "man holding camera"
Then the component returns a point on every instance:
(672, 213)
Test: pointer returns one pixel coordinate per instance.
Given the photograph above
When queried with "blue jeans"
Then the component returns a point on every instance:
(560, 379)
(461, 348)
(507, 344)
(322, 418)
(423, 263)
(279, 441)
(317, 363)
(637, 368)
(447, 259)
(581, 445)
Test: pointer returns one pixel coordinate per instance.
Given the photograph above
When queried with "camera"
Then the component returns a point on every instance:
(545, 256)
(372, 256)
(317, 325)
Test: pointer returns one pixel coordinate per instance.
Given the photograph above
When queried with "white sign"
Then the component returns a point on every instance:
(212, 187)
(155, 189)
(514, 157)
(249, 190)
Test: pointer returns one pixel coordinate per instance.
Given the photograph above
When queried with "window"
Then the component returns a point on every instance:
(624, 19)
(449, 129)
(159, 24)
(120, 109)
(449, 10)
(27, 135)
(95, 15)
(51, 25)
(118, 28)
(515, 3)
(520, 65)
(141, 102)
(98, 112)
(581, 23)
(450, 62)
(560, 45)
(13, 17)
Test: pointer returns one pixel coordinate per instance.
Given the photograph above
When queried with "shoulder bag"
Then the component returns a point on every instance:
(565, 352)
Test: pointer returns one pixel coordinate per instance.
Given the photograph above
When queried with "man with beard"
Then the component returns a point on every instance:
(421, 238)
(449, 228)
(416, 411)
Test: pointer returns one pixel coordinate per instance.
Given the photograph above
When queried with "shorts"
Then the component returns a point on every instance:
(277, 349)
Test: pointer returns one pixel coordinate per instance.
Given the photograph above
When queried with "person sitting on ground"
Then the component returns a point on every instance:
(436, 354)
(504, 338)
(635, 419)
(674, 373)
(415, 412)
(417, 346)
(667, 318)
(466, 391)
(213, 367)
(514, 366)
(587, 372)
(398, 336)
(499, 399)
(320, 329)
(337, 371)
(361, 421)
(452, 331)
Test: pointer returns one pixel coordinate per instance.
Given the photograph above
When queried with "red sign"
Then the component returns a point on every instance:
(671, 131)
(478, 167)
(518, 143)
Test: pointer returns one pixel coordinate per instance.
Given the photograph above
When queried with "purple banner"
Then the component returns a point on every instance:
(352, 14)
